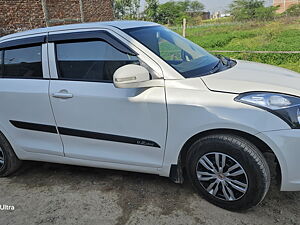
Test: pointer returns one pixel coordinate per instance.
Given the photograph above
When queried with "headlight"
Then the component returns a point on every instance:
(284, 106)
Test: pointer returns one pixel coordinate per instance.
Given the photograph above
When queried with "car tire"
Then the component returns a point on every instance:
(9, 162)
(228, 171)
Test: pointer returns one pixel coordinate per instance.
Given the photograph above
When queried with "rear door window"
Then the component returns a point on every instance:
(23, 62)
(1, 62)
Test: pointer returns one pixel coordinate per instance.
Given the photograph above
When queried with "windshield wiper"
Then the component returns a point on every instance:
(216, 68)
(223, 63)
(227, 61)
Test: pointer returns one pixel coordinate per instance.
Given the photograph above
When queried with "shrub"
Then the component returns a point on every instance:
(265, 13)
(245, 9)
(252, 10)
(294, 10)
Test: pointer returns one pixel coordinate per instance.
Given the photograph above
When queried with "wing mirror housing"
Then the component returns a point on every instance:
(134, 76)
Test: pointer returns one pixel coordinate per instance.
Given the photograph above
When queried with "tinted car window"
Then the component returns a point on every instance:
(23, 62)
(1, 62)
(90, 61)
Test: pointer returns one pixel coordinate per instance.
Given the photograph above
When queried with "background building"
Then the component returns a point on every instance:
(17, 15)
(284, 4)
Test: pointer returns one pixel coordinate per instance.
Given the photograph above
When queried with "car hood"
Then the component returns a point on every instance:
(250, 76)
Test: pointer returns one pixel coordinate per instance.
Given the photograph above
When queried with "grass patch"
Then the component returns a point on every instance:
(281, 35)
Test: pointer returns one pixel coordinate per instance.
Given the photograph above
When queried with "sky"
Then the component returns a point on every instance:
(214, 5)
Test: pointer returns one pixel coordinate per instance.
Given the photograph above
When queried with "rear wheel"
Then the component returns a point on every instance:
(9, 162)
(228, 171)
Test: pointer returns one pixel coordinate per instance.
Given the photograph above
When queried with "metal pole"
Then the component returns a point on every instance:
(45, 11)
(81, 11)
(183, 27)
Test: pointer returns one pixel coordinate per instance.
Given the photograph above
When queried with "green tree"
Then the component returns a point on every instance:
(136, 4)
(126, 9)
(168, 12)
(184, 5)
(196, 6)
(173, 12)
(151, 10)
(245, 9)
(195, 10)
(119, 9)
(265, 13)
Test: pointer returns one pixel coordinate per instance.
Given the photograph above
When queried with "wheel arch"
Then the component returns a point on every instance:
(7, 136)
(261, 145)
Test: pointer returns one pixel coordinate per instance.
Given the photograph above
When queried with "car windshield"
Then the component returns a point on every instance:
(183, 55)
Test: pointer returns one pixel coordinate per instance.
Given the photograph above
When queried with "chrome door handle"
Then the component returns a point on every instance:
(64, 94)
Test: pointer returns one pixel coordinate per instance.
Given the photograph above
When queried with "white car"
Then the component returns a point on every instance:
(136, 96)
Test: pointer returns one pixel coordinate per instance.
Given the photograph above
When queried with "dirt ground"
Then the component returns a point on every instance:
(44, 193)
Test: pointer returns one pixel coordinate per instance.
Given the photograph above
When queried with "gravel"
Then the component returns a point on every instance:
(44, 193)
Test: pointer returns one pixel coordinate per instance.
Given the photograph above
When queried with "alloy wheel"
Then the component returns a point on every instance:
(1, 158)
(222, 176)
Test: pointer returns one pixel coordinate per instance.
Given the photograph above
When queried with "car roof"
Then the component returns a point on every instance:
(118, 24)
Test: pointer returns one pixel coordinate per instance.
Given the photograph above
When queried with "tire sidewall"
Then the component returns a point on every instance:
(6, 158)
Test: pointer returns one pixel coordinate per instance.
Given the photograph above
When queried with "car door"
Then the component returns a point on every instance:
(96, 120)
(26, 114)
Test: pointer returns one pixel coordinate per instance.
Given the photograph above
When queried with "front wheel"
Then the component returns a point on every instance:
(228, 171)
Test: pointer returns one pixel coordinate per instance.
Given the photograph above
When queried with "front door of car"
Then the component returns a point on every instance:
(98, 121)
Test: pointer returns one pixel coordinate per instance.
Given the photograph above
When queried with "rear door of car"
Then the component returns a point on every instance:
(26, 114)
(96, 120)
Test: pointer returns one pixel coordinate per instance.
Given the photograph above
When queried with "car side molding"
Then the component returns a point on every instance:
(83, 133)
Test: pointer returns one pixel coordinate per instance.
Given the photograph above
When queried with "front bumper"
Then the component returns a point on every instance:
(286, 146)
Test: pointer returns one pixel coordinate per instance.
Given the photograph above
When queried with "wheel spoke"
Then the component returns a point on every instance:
(205, 173)
(217, 158)
(232, 197)
(236, 173)
(235, 166)
(216, 189)
(205, 176)
(241, 184)
(207, 164)
(210, 187)
(224, 192)
(236, 187)
(1, 158)
(223, 163)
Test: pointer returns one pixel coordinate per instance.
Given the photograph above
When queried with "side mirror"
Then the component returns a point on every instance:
(134, 76)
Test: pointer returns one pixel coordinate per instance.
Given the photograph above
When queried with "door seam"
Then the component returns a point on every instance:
(49, 97)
